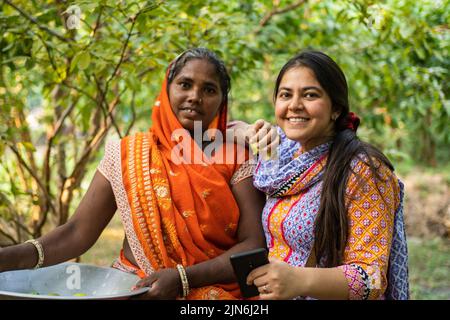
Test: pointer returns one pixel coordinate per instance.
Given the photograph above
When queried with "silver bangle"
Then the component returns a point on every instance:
(40, 251)
(184, 280)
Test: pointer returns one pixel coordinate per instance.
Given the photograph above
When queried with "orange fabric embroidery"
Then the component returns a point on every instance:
(206, 193)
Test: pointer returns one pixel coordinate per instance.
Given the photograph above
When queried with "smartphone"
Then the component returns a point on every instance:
(243, 263)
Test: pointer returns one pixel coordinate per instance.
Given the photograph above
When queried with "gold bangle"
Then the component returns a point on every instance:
(184, 280)
(40, 251)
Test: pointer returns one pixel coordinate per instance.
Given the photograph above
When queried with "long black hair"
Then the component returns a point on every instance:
(331, 225)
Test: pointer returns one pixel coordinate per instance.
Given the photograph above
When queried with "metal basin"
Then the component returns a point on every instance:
(68, 280)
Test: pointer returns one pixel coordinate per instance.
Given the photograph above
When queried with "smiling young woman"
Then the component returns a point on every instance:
(333, 218)
(303, 108)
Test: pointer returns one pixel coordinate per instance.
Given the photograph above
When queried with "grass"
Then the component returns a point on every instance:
(429, 261)
(429, 269)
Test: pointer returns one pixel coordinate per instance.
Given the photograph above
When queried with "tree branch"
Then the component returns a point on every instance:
(144, 72)
(51, 136)
(75, 177)
(8, 236)
(35, 177)
(68, 85)
(20, 123)
(109, 108)
(104, 91)
(130, 32)
(49, 54)
(122, 55)
(96, 28)
(133, 113)
(34, 20)
(100, 133)
(14, 216)
(277, 10)
(22, 227)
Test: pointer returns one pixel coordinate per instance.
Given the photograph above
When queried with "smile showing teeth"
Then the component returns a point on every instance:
(190, 110)
(297, 120)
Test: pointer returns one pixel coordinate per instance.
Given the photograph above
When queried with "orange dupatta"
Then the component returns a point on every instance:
(181, 213)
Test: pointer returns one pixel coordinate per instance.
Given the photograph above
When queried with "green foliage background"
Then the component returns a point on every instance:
(62, 92)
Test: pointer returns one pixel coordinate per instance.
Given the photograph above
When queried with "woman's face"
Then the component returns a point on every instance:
(303, 109)
(195, 94)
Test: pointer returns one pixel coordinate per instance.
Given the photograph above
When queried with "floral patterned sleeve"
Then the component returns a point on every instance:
(371, 209)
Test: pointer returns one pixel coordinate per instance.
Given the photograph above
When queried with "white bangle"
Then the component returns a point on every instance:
(40, 251)
(184, 280)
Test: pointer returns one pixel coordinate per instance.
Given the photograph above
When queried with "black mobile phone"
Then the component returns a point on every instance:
(243, 263)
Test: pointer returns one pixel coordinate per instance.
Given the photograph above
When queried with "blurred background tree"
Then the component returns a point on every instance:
(75, 72)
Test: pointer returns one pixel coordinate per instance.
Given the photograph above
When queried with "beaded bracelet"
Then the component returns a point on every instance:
(184, 280)
(40, 251)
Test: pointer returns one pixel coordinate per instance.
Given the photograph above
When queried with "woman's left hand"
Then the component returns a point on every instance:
(277, 280)
(164, 284)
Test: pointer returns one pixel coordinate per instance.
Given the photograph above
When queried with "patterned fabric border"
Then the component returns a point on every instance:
(358, 281)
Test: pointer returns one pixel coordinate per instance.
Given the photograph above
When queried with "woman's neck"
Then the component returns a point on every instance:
(312, 143)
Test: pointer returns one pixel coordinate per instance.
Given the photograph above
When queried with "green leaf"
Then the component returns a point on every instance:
(29, 64)
(81, 60)
(133, 83)
(29, 146)
(84, 60)
(420, 52)
(14, 190)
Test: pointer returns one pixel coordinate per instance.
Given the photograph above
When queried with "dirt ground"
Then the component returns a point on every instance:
(427, 205)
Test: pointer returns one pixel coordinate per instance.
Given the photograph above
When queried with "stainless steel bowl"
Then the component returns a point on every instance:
(67, 281)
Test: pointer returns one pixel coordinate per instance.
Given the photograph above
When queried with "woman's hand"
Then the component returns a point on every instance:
(278, 280)
(263, 139)
(164, 284)
(261, 136)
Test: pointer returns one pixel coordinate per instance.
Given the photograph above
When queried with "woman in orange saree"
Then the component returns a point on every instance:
(184, 210)
(180, 210)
